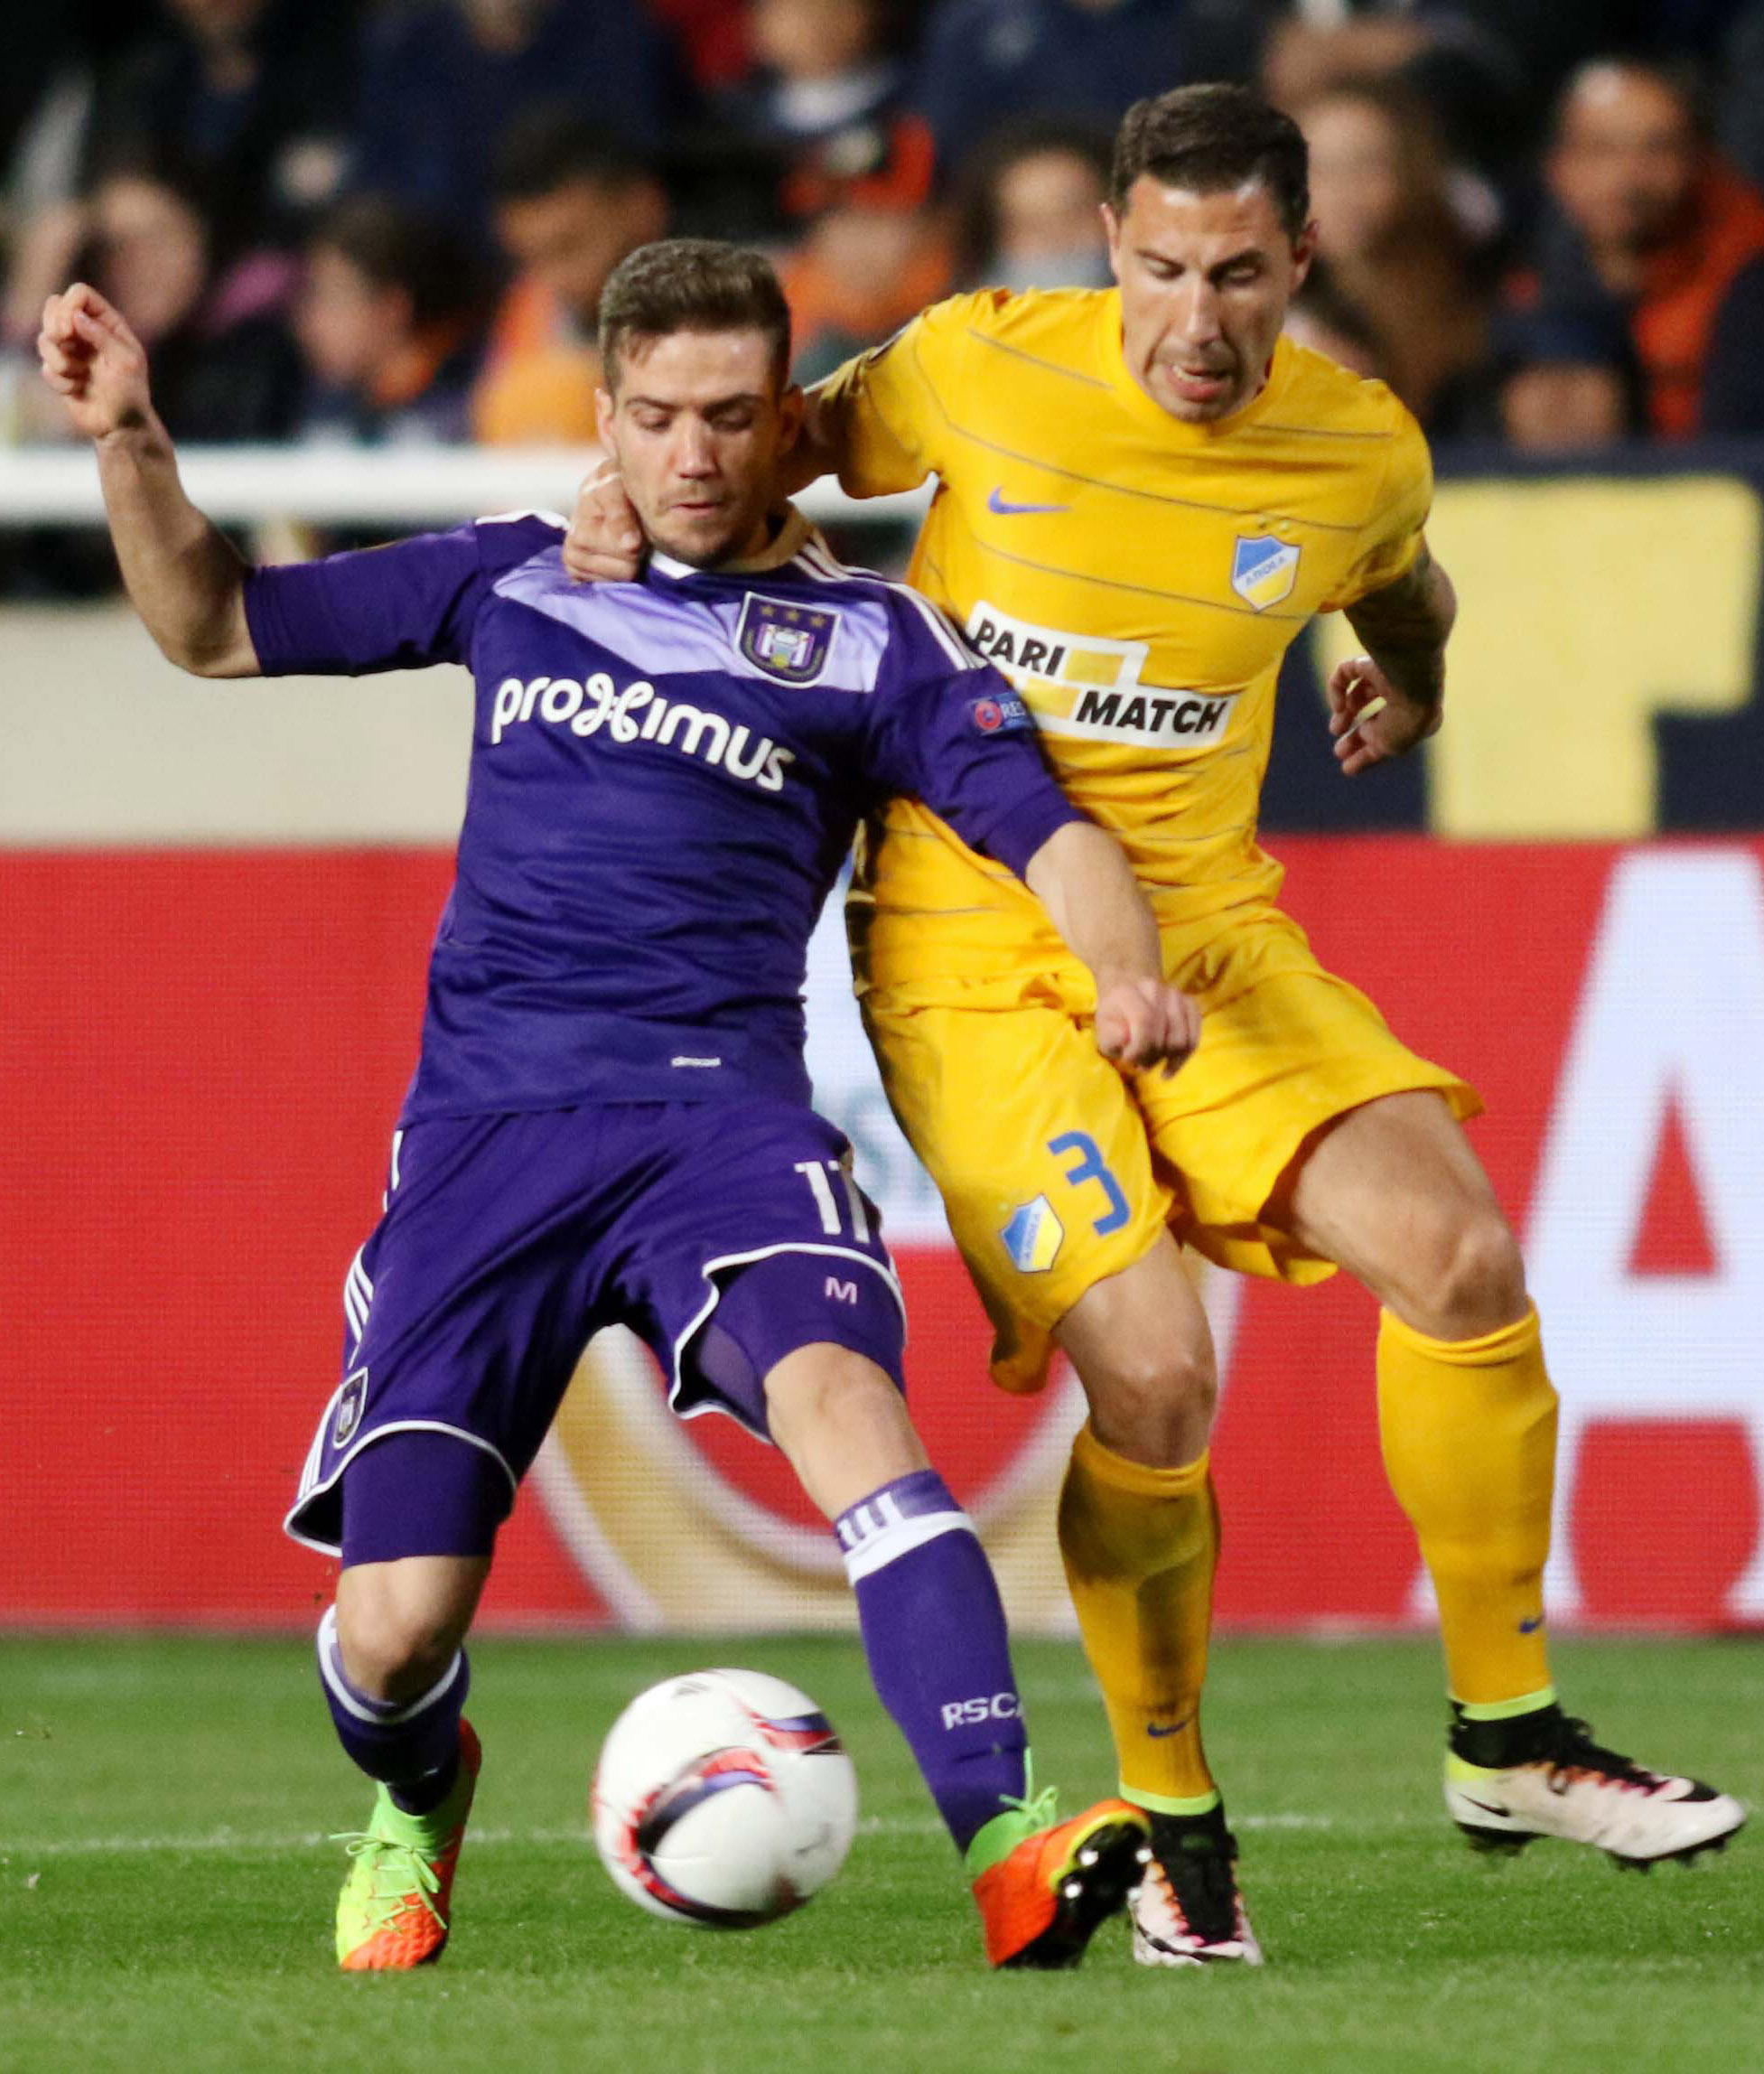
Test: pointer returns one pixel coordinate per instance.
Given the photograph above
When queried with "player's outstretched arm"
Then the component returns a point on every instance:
(1081, 876)
(1383, 703)
(183, 578)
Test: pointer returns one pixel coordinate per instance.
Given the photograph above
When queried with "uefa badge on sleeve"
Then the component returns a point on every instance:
(1000, 712)
(789, 643)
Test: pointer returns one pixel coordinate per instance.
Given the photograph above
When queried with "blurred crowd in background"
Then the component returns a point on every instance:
(384, 221)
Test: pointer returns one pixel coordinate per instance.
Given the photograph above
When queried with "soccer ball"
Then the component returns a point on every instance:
(723, 1798)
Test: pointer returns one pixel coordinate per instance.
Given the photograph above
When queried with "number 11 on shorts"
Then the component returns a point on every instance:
(820, 1175)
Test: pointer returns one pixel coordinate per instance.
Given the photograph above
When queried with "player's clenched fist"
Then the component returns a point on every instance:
(1147, 1022)
(93, 362)
(603, 544)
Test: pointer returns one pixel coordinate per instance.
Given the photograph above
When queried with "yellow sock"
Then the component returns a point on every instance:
(1141, 1545)
(1468, 1433)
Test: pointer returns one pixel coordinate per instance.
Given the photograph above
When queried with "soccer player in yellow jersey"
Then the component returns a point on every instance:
(1144, 495)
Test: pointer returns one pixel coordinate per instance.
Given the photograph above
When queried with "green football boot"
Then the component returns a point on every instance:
(395, 1910)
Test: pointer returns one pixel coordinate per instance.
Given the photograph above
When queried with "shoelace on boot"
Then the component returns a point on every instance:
(1205, 1889)
(1573, 1750)
(398, 1861)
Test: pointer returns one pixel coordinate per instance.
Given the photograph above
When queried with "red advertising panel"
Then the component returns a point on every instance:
(202, 1055)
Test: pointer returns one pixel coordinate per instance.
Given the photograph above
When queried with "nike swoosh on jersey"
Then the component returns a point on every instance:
(1531, 1626)
(1002, 506)
(1175, 1728)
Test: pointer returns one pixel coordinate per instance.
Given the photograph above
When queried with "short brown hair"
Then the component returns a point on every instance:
(692, 285)
(1211, 138)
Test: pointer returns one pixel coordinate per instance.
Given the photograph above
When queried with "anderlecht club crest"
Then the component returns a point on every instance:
(787, 642)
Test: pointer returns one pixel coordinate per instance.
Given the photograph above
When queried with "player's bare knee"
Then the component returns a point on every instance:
(1154, 1404)
(1467, 1278)
(395, 1660)
(395, 1643)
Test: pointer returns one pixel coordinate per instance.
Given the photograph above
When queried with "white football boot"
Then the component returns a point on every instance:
(1559, 1783)
(1187, 1909)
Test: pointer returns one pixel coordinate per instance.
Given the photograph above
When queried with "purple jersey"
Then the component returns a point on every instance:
(666, 776)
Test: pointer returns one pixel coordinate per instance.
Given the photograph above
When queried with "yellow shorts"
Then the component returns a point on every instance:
(1057, 1170)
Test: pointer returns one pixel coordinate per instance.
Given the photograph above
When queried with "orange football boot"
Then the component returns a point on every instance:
(395, 1907)
(1041, 1903)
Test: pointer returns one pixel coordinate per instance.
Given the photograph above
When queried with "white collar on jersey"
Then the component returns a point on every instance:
(785, 543)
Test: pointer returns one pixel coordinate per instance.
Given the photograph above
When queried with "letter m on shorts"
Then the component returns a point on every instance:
(838, 1292)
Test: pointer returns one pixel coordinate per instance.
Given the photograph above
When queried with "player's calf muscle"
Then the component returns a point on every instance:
(841, 1423)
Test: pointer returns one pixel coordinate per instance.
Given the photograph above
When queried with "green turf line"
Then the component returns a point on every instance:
(165, 1890)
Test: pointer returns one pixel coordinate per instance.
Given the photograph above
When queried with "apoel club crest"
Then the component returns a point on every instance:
(1263, 570)
(788, 642)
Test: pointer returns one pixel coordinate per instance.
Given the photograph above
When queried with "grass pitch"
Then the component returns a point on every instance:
(165, 1889)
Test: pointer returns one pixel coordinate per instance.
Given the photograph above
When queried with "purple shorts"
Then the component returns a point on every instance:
(724, 1235)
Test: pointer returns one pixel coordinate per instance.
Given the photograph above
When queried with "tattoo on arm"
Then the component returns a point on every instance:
(1405, 626)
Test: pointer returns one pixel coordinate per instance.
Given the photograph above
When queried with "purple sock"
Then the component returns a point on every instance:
(413, 1745)
(939, 1657)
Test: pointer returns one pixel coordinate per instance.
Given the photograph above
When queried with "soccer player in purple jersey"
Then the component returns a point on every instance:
(609, 1118)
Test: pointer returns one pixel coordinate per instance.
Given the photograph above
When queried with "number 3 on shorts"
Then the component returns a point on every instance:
(1090, 1166)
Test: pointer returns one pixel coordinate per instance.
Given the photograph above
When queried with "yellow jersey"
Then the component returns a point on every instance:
(1138, 578)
